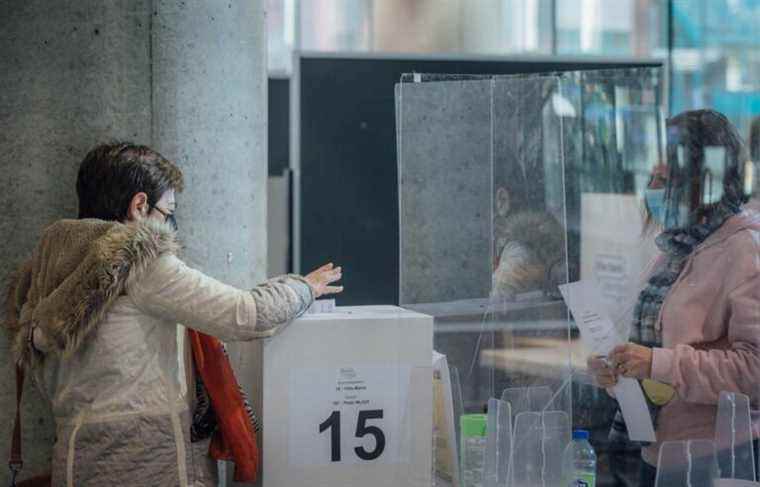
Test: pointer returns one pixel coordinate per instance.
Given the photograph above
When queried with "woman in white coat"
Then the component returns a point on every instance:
(93, 317)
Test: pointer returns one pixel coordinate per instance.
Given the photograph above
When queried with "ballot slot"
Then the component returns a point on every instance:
(322, 306)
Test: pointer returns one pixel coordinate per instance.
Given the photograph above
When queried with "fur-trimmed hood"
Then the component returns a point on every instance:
(75, 274)
(536, 230)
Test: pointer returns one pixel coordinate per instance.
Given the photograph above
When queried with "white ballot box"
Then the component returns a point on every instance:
(347, 400)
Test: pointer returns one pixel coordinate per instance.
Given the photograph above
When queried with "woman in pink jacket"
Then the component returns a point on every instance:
(696, 325)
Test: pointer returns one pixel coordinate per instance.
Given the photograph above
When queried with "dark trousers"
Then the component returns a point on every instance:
(647, 475)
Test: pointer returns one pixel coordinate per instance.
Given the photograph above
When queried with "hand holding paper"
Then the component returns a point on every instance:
(603, 372)
(599, 336)
(632, 360)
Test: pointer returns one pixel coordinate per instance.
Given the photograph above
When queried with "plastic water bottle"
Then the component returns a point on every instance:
(473, 428)
(579, 462)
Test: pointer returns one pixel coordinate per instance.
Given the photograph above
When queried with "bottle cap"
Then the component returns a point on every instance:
(580, 435)
(473, 425)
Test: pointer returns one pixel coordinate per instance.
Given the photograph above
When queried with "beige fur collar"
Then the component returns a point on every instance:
(73, 278)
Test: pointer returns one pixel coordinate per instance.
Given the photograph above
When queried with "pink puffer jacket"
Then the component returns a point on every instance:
(711, 331)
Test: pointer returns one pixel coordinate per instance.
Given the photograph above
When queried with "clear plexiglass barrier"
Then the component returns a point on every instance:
(510, 186)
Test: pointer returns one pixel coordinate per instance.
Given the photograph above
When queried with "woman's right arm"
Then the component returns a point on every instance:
(172, 291)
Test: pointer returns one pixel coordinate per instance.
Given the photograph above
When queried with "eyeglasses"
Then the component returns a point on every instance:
(168, 217)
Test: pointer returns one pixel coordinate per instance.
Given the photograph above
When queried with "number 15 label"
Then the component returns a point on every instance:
(348, 415)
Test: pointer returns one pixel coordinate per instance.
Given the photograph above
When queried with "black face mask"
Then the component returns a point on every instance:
(168, 218)
(172, 222)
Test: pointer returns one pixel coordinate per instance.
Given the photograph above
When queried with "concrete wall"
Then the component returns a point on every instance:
(445, 191)
(187, 77)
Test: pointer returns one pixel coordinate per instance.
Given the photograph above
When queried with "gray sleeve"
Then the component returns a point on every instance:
(280, 301)
(174, 292)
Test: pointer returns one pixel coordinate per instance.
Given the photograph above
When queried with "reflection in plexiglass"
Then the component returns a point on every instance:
(510, 186)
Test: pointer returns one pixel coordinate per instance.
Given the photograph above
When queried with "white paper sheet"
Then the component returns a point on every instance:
(599, 336)
(635, 411)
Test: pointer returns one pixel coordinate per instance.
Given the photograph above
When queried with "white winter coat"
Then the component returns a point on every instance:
(101, 302)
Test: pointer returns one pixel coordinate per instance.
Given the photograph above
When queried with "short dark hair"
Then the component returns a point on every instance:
(111, 174)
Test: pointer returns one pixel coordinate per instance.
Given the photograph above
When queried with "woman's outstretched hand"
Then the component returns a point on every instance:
(321, 279)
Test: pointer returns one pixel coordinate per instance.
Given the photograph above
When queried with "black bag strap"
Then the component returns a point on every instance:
(15, 462)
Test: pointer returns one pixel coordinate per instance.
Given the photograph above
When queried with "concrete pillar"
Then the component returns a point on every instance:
(188, 78)
(210, 116)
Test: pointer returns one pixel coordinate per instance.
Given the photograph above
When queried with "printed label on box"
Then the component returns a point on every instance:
(348, 415)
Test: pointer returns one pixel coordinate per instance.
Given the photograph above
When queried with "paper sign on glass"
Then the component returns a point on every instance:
(599, 336)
